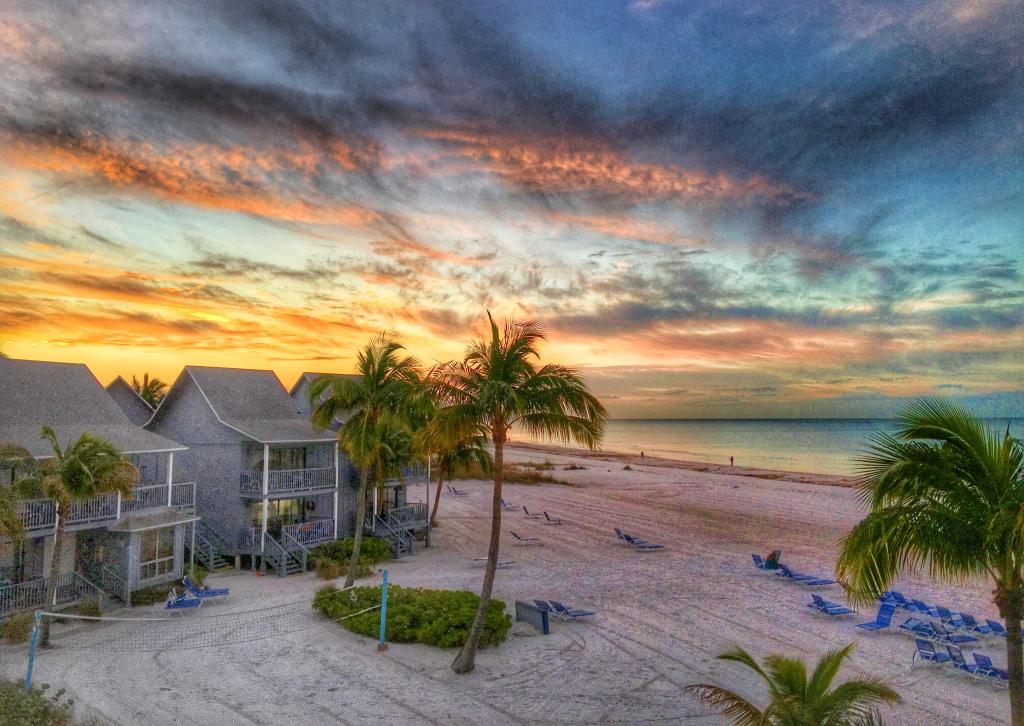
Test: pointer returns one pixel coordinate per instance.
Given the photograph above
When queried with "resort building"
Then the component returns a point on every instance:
(114, 543)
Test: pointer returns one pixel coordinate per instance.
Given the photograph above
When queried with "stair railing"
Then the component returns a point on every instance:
(292, 545)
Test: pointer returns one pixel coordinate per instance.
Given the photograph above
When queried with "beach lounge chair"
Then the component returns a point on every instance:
(548, 519)
(205, 593)
(571, 613)
(948, 636)
(502, 563)
(456, 492)
(620, 537)
(926, 651)
(895, 598)
(883, 619)
(925, 609)
(919, 628)
(832, 609)
(545, 606)
(178, 604)
(642, 544)
(988, 670)
(958, 660)
(508, 507)
(531, 515)
(803, 578)
(997, 627)
(522, 541)
(973, 626)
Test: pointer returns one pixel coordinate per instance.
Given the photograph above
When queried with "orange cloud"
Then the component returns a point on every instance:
(628, 228)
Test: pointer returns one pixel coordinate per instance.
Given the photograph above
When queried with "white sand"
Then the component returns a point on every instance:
(662, 619)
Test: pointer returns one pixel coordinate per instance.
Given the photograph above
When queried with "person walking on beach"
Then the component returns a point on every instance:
(730, 461)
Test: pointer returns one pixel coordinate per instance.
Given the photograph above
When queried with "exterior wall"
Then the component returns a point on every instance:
(214, 458)
(301, 397)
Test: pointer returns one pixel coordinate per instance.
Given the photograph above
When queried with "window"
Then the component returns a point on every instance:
(157, 555)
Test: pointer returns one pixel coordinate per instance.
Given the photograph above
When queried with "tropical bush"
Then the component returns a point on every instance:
(512, 474)
(415, 615)
(33, 706)
(372, 551)
(18, 627)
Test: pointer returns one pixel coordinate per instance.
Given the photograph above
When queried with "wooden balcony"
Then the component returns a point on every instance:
(309, 533)
(286, 482)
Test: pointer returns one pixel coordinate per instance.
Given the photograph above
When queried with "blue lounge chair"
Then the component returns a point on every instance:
(919, 627)
(926, 651)
(507, 507)
(543, 605)
(571, 613)
(548, 519)
(948, 636)
(832, 609)
(531, 515)
(957, 657)
(883, 619)
(205, 593)
(987, 669)
(926, 609)
(178, 604)
(642, 544)
(522, 541)
(997, 627)
(974, 626)
(456, 492)
(802, 578)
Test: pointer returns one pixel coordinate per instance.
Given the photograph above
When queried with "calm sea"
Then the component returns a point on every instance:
(820, 446)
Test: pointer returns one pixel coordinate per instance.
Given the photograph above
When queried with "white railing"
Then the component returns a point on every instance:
(411, 515)
(145, 498)
(71, 587)
(183, 496)
(38, 514)
(249, 540)
(307, 533)
(288, 480)
(97, 509)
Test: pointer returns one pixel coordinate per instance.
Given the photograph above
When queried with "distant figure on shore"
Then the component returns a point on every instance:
(641, 454)
(731, 460)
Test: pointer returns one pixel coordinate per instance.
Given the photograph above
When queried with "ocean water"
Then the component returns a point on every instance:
(819, 446)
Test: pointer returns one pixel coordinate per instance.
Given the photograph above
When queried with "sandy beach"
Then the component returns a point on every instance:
(662, 617)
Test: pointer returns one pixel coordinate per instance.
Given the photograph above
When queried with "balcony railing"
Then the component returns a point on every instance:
(312, 532)
(183, 496)
(287, 481)
(411, 516)
(71, 587)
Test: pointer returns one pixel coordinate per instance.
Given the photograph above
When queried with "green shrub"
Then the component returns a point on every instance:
(155, 594)
(90, 608)
(196, 573)
(18, 627)
(371, 551)
(415, 615)
(20, 706)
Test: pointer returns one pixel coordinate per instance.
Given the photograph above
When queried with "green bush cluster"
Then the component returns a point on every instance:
(33, 706)
(18, 627)
(158, 593)
(415, 615)
(371, 551)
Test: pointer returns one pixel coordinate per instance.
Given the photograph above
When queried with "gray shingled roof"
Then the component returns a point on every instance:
(308, 377)
(134, 406)
(256, 404)
(69, 398)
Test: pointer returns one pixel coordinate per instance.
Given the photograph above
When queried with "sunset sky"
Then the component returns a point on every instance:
(719, 209)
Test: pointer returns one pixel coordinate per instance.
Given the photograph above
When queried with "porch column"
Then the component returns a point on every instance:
(192, 551)
(170, 475)
(118, 505)
(266, 494)
(335, 490)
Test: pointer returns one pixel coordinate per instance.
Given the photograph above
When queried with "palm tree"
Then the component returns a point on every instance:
(495, 388)
(946, 493)
(383, 394)
(451, 448)
(87, 468)
(796, 700)
(150, 390)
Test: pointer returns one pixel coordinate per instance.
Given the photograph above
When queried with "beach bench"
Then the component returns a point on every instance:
(205, 593)
(482, 561)
(456, 492)
(525, 541)
(531, 515)
(827, 607)
(548, 519)
(883, 619)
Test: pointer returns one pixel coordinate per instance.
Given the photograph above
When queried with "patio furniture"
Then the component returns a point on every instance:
(548, 519)
(205, 593)
(525, 541)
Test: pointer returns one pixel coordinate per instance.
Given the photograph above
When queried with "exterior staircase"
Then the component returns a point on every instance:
(398, 539)
(212, 550)
(284, 560)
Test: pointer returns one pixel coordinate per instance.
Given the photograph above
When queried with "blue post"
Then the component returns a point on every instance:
(32, 649)
(383, 644)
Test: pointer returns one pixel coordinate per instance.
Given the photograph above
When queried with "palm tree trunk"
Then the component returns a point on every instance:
(437, 498)
(465, 661)
(51, 588)
(357, 537)
(1011, 607)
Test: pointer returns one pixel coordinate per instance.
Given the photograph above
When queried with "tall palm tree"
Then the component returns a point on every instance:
(795, 699)
(450, 448)
(495, 388)
(385, 392)
(150, 390)
(946, 494)
(87, 468)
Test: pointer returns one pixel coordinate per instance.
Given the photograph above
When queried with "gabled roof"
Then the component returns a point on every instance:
(68, 398)
(135, 407)
(255, 404)
(301, 397)
(308, 377)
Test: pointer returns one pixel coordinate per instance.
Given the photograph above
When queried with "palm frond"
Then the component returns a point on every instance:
(737, 709)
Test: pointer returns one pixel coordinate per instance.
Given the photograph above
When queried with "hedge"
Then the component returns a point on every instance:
(21, 706)
(415, 615)
(331, 560)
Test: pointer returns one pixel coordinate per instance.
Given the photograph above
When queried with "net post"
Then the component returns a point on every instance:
(32, 650)
(383, 644)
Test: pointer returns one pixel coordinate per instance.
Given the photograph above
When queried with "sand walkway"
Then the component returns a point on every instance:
(662, 619)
